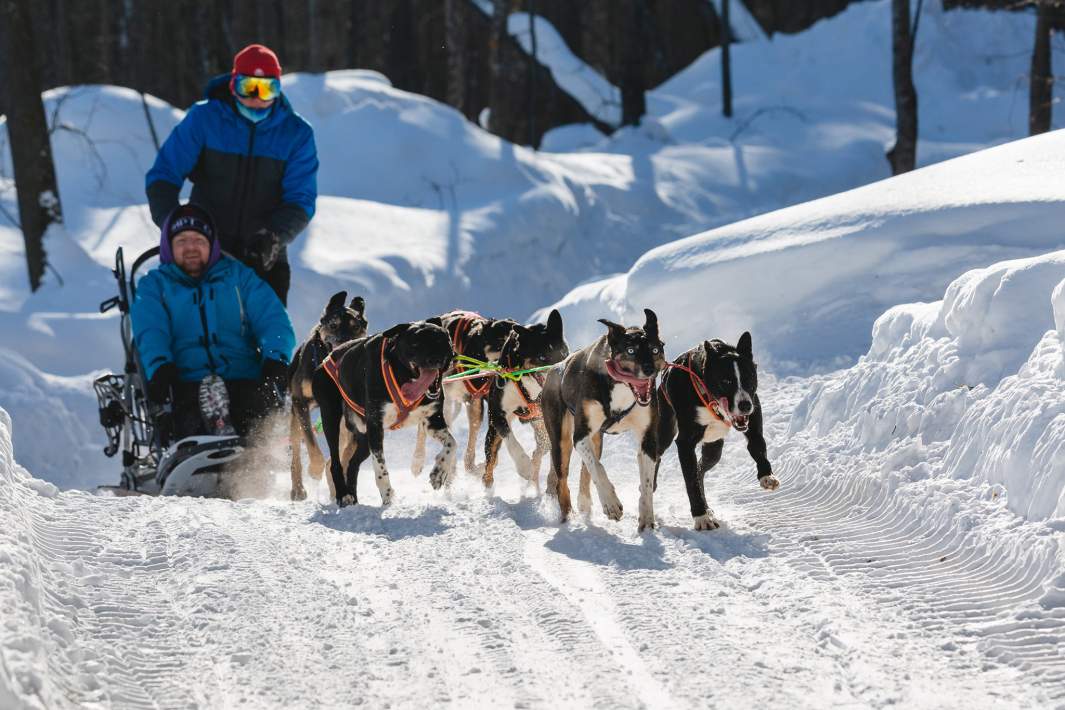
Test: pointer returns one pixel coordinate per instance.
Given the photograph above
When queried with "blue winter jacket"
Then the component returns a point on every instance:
(247, 175)
(226, 322)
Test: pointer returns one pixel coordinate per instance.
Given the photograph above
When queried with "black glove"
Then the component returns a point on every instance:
(163, 381)
(275, 380)
(265, 249)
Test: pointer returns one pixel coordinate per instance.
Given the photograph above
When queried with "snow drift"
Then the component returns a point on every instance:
(808, 281)
(971, 387)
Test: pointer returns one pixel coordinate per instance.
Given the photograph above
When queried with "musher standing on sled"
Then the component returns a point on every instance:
(252, 162)
(213, 339)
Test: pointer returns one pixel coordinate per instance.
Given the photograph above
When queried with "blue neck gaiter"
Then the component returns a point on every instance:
(253, 114)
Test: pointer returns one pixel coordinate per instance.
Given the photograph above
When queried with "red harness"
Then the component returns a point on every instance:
(701, 391)
(403, 406)
(462, 326)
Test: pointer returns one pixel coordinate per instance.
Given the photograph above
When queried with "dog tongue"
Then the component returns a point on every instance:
(640, 384)
(416, 388)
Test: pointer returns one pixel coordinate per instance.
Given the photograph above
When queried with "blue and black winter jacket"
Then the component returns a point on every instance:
(226, 322)
(248, 175)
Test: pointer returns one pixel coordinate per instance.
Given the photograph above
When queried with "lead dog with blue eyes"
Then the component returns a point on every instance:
(605, 388)
(710, 389)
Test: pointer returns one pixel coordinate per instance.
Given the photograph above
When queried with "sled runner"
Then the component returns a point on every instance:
(193, 466)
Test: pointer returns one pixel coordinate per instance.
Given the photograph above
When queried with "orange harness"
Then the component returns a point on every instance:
(403, 406)
(701, 391)
(531, 410)
(462, 326)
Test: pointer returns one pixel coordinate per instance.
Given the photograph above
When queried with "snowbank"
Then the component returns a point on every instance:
(23, 657)
(971, 387)
(810, 280)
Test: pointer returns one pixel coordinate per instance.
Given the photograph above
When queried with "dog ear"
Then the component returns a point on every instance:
(744, 345)
(615, 331)
(358, 304)
(510, 348)
(650, 326)
(554, 324)
(336, 303)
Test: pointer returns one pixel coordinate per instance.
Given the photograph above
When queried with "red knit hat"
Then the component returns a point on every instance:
(256, 60)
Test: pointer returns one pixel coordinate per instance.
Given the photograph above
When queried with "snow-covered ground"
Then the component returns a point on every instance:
(912, 341)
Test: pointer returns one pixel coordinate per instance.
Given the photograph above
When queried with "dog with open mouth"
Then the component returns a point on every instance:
(526, 348)
(478, 337)
(605, 388)
(710, 389)
(390, 380)
(338, 324)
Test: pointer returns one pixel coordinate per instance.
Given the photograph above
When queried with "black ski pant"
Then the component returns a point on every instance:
(279, 279)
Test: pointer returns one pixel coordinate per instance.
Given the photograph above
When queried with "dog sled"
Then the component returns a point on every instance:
(193, 466)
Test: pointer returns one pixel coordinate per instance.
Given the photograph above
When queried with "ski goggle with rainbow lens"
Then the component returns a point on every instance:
(266, 88)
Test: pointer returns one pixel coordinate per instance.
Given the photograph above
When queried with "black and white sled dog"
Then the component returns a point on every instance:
(605, 388)
(338, 324)
(477, 337)
(714, 389)
(389, 380)
(526, 347)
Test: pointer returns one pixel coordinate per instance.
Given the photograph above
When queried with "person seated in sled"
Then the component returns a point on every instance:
(201, 319)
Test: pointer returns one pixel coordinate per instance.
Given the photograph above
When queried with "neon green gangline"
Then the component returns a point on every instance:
(491, 368)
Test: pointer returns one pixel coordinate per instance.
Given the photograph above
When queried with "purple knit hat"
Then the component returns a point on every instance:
(185, 218)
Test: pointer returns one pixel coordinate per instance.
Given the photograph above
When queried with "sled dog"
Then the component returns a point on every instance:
(338, 324)
(525, 348)
(389, 380)
(605, 388)
(714, 389)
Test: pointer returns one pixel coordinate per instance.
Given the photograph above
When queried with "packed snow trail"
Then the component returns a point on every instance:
(820, 594)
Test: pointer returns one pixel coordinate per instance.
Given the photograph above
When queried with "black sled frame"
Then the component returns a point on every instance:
(126, 413)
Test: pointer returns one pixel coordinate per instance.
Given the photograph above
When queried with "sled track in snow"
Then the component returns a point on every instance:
(830, 591)
(982, 594)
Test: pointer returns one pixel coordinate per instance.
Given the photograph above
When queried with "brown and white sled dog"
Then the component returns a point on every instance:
(713, 390)
(526, 347)
(338, 324)
(605, 388)
(389, 380)
(478, 337)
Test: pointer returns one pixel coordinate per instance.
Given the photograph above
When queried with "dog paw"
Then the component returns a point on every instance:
(770, 483)
(613, 509)
(298, 494)
(647, 522)
(345, 500)
(386, 498)
(436, 478)
(707, 522)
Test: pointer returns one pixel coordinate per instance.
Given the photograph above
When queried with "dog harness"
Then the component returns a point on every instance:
(712, 404)
(531, 409)
(461, 327)
(403, 406)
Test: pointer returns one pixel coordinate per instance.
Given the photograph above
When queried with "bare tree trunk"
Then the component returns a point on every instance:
(27, 130)
(633, 99)
(1041, 80)
(726, 63)
(532, 72)
(498, 92)
(903, 157)
(455, 39)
